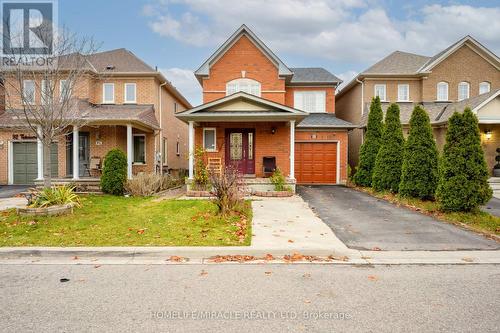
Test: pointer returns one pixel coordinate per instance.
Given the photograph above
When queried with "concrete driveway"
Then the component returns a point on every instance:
(364, 222)
(9, 191)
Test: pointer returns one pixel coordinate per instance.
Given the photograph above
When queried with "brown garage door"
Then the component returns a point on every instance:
(316, 162)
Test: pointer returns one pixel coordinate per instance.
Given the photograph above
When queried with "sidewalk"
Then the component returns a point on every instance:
(8, 203)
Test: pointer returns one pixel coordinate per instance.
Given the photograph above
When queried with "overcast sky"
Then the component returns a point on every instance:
(343, 36)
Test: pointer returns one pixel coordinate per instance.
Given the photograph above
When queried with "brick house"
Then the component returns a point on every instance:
(126, 103)
(259, 114)
(464, 74)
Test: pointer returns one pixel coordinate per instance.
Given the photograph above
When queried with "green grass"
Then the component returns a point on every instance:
(119, 221)
(478, 221)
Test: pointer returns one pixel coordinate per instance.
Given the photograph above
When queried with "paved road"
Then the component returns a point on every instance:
(364, 222)
(9, 191)
(136, 298)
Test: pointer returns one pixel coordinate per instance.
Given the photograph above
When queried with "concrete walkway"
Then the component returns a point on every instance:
(8, 203)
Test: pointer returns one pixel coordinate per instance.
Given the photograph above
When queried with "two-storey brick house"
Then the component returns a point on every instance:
(464, 74)
(125, 103)
(260, 114)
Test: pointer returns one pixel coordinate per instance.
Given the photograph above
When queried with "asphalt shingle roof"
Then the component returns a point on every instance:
(325, 120)
(313, 75)
(398, 62)
(121, 59)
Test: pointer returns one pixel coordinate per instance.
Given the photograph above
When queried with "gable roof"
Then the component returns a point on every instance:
(242, 31)
(313, 75)
(398, 62)
(121, 61)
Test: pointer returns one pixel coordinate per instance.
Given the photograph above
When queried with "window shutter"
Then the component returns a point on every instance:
(298, 101)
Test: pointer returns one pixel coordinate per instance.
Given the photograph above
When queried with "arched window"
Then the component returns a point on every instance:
(442, 91)
(484, 87)
(246, 85)
(463, 90)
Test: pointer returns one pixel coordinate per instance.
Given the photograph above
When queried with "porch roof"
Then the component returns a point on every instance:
(241, 106)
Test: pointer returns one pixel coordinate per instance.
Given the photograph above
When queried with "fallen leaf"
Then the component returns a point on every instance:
(203, 272)
(468, 259)
(307, 301)
(269, 257)
(268, 273)
(75, 258)
(97, 266)
(140, 231)
(290, 241)
(376, 248)
(372, 278)
(176, 258)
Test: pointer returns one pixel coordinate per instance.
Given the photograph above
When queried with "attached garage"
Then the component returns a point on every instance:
(25, 161)
(316, 162)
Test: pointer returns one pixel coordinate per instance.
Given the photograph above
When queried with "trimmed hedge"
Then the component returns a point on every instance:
(419, 175)
(463, 182)
(387, 172)
(369, 149)
(114, 173)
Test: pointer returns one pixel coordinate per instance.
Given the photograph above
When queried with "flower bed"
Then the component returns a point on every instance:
(46, 211)
(276, 194)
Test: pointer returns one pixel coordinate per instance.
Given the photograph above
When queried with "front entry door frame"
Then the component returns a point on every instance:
(84, 154)
(242, 141)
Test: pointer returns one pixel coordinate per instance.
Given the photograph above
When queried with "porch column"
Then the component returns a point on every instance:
(76, 153)
(39, 154)
(292, 149)
(191, 149)
(129, 151)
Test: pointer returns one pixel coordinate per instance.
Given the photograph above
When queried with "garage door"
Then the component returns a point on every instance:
(25, 162)
(316, 162)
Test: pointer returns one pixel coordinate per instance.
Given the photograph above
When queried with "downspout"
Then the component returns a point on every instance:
(362, 106)
(161, 128)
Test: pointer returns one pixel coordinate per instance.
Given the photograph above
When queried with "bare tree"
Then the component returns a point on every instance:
(43, 94)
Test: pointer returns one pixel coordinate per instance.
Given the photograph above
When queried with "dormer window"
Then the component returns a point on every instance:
(463, 90)
(246, 85)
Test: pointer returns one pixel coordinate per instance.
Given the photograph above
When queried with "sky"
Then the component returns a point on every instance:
(343, 36)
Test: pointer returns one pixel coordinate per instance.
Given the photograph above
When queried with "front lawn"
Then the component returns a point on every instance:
(119, 221)
(478, 221)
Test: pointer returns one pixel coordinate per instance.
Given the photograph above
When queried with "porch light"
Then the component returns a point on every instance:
(487, 134)
(273, 130)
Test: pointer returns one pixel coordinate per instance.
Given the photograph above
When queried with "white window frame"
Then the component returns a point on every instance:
(43, 94)
(133, 149)
(445, 85)
(104, 101)
(298, 100)
(165, 151)
(206, 129)
(61, 89)
(407, 92)
(24, 90)
(238, 82)
(175, 107)
(380, 85)
(125, 101)
(463, 84)
(487, 84)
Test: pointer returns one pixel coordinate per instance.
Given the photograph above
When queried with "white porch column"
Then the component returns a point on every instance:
(39, 154)
(191, 149)
(129, 151)
(292, 149)
(76, 153)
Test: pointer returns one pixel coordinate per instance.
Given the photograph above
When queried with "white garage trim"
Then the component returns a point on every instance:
(337, 175)
(10, 167)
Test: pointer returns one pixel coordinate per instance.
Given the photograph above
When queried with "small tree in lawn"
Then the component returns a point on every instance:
(419, 175)
(369, 149)
(463, 181)
(387, 171)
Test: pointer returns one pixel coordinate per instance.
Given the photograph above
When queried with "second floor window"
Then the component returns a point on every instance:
(403, 92)
(46, 91)
(29, 92)
(130, 93)
(246, 85)
(380, 92)
(108, 93)
(310, 101)
(64, 91)
(463, 90)
(484, 87)
(442, 91)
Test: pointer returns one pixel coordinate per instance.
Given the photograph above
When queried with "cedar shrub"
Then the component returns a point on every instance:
(420, 169)
(114, 173)
(463, 181)
(369, 149)
(387, 172)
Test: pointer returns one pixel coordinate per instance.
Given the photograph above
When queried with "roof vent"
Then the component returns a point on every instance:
(110, 67)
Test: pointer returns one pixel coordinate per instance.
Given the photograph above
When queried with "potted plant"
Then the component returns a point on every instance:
(496, 168)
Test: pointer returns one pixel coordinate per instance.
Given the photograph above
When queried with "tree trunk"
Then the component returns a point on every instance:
(47, 165)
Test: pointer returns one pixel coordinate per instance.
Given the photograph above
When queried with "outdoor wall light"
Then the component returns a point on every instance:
(487, 134)
(273, 130)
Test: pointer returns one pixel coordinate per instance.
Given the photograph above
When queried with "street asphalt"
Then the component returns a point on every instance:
(249, 298)
(367, 223)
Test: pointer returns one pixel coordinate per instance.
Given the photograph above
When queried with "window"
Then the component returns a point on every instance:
(403, 92)
(165, 150)
(178, 149)
(108, 93)
(380, 91)
(484, 87)
(139, 149)
(28, 92)
(463, 90)
(246, 85)
(442, 91)
(310, 101)
(46, 91)
(175, 107)
(130, 93)
(209, 138)
(64, 90)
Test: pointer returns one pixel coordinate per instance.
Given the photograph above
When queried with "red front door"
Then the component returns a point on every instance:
(240, 146)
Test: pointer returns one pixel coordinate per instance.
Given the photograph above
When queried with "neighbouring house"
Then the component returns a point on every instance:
(464, 74)
(126, 103)
(259, 114)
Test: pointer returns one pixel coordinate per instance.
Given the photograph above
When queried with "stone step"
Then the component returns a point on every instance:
(495, 186)
(494, 180)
